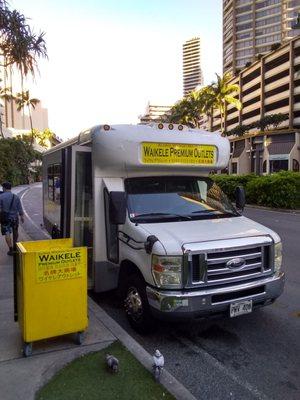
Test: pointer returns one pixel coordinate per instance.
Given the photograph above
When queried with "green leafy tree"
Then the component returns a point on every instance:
(16, 155)
(223, 93)
(23, 100)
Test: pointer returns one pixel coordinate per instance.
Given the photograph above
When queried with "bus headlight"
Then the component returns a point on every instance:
(277, 256)
(167, 271)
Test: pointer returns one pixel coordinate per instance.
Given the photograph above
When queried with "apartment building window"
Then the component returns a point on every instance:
(267, 3)
(244, 27)
(293, 3)
(245, 35)
(243, 53)
(263, 49)
(242, 62)
(228, 50)
(240, 2)
(292, 14)
(228, 59)
(244, 9)
(267, 39)
(244, 17)
(269, 21)
(269, 11)
(246, 43)
(265, 31)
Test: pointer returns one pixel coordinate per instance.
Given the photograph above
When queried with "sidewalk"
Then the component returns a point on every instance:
(21, 377)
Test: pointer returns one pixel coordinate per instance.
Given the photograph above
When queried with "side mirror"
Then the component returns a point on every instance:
(117, 208)
(240, 198)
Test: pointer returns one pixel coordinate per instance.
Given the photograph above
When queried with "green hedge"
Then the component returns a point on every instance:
(279, 190)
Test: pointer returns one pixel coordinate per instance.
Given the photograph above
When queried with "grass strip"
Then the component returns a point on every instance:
(87, 378)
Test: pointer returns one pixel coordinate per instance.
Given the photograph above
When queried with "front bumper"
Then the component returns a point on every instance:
(189, 304)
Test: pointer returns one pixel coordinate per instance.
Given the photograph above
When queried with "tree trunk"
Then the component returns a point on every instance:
(11, 103)
(5, 100)
(30, 119)
(1, 128)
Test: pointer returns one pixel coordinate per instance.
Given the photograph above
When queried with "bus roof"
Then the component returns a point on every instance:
(157, 147)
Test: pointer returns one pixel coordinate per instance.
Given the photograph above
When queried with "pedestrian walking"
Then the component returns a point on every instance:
(10, 211)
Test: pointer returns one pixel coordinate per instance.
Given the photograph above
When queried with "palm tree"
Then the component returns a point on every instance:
(19, 45)
(185, 111)
(224, 93)
(23, 100)
(5, 94)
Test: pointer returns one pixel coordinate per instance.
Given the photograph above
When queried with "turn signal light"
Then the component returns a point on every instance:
(160, 126)
(106, 127)
(171, 126)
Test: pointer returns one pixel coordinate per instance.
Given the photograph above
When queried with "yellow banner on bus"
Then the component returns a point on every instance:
(178, 153)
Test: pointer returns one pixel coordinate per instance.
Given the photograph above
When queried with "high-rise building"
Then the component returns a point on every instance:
(269, 90)
(154, 113)
(192, 73)
(252, 28)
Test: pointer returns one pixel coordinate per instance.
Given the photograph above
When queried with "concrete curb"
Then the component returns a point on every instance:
(283, 210)
(179, 391)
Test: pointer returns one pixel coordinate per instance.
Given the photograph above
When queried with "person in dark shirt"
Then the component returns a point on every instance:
(11, 204)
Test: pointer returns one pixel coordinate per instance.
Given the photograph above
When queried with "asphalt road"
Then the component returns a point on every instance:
(255, 356)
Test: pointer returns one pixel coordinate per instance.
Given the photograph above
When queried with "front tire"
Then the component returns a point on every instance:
(136, 305)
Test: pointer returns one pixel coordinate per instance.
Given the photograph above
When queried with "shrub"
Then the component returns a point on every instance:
(228, 183)
(279, 190)
(15, 158)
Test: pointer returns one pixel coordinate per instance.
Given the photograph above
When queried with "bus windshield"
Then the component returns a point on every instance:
(170, 198)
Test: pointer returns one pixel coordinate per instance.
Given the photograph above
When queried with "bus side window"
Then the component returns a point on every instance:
(112, 247)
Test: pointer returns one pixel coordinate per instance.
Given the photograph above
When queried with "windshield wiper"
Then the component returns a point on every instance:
(215, 213)
(202, 211)
(158, 214)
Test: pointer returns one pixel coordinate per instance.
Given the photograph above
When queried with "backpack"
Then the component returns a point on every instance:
(5, 215)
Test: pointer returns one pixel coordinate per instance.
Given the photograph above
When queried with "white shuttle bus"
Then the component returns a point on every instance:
(157, 227)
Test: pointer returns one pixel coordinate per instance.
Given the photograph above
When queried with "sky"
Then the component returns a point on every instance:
(108, 58)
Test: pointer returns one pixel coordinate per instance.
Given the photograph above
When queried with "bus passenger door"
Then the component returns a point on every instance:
(81, 228)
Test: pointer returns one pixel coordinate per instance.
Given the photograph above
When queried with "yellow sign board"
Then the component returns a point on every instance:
(178, 153)
(60, 265)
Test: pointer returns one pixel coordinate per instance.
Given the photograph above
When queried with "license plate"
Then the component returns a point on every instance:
(240, 308)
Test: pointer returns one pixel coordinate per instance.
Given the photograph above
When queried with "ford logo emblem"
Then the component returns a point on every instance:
(236, 263)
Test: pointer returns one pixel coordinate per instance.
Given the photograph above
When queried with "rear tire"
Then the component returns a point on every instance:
(136, 305)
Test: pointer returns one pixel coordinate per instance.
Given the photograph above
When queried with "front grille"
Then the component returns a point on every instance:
(211, 268)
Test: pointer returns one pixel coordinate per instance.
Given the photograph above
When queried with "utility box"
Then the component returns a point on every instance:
(51, 290)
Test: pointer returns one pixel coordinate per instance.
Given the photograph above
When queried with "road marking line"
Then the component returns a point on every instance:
(218, 365)
(27, 216)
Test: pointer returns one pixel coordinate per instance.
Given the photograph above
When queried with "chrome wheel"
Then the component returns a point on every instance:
(134, 304)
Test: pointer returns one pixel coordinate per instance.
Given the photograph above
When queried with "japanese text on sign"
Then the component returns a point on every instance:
(59, 265)
(178, 153)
